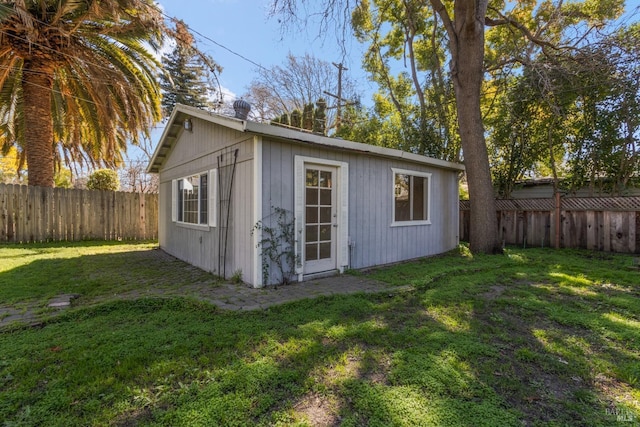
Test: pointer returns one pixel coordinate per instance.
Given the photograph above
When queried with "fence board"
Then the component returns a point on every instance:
(610, 224)
(35, 214)
(8, 212)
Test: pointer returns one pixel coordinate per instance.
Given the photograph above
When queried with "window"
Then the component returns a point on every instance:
(410, 197)
(194, 199)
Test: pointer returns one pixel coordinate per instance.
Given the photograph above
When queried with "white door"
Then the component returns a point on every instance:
(320, 219)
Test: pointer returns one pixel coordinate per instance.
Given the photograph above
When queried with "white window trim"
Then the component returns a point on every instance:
(212, 189)
(213, 198)
(257, 211)
(427, 175)
(174, 200)
(342, 237)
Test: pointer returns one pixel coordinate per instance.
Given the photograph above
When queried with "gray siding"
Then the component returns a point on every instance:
(370, 203)
(198, 152)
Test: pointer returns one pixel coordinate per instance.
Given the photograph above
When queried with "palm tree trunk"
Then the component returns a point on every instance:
(37, 84)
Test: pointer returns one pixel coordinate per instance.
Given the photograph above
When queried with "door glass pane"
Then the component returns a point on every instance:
(312, 196)
(325, 214)
(325, 232)
(325, 179)
(325, 197)
(312, 178)
(312, 214)
(311, 252)
(325, 250)
(311, 233)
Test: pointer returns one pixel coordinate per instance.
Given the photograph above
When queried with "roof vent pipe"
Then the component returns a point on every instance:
(242, 109)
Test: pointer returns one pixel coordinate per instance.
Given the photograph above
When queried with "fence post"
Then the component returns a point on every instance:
(558, 220)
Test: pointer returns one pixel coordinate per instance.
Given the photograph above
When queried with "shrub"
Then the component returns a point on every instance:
(104, 179)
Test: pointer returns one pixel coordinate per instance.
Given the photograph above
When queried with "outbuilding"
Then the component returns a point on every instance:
(270, 204)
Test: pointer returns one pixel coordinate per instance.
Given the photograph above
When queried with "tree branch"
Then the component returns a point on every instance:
(441, 10)
(505, 20)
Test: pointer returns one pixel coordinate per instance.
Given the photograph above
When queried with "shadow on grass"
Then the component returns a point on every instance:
(92, 270)
(486, 347)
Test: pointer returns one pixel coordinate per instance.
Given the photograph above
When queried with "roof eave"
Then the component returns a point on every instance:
(291, 134)
(181, 112)
(175, 125)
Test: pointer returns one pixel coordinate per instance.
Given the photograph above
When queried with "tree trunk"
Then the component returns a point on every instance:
(467, 50)
(37, 83)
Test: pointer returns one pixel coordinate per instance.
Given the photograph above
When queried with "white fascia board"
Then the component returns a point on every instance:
(164, 136)
(179, 114)
(257, 212)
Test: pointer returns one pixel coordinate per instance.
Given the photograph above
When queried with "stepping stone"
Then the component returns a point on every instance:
(62, 301)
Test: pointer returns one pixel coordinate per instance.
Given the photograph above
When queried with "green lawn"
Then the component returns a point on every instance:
(533, 337)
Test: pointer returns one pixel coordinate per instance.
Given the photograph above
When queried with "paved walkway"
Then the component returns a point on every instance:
(242, 297)
(226, 296)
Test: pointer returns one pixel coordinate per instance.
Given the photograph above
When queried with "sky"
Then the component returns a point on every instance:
(238, 34)
(244, 27)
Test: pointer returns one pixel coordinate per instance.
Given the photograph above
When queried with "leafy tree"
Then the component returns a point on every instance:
(417, 102)
(189, 74)
(529, 109)
(575, 113)
(320, 117)
(63, 178)
(604, 149)
(378, 126)
(464, 22)
(296, 119)
(307, 116)
(312, 118)
(10, 166)
(519, 133)
(78, 80)
(284, 119)
(104, 179)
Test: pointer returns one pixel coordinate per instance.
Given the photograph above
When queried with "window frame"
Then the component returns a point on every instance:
(206, 217)
(427, 199)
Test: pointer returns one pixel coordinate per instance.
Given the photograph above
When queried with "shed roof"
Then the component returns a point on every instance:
(182, 112)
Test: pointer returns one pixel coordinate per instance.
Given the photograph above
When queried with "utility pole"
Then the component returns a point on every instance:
(340, 68)
(339, 111)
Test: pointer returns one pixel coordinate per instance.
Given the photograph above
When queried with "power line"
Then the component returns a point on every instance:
(191, 29)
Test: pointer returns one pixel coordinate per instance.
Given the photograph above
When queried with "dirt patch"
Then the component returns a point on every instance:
(134, 418)
(494, 292)
(318, 410)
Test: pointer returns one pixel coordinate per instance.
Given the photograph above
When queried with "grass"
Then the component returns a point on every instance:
(533, 337)
(94, 270)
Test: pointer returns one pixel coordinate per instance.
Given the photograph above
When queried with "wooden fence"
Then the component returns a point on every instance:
(610, 224)
(38, 214)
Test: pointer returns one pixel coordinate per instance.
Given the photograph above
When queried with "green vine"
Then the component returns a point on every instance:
(278, 245)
